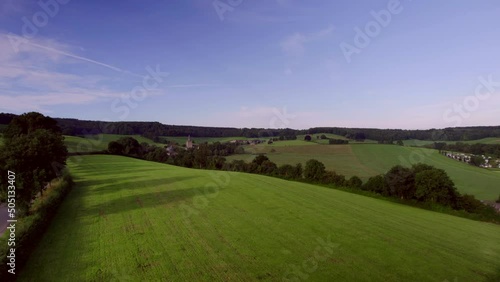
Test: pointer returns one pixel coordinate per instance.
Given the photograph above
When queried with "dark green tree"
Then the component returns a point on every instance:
(377, 184)
(354, 182)
(286, 171)
(34, 149)
(476, 160)
(298, 172)
(314, 170)
(260, 159)
(401, 182)
(332, 177)
(115, 148)
(435, 186)
(419, 167)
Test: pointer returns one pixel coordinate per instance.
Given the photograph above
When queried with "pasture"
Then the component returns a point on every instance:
(131, 220)
(366, 160)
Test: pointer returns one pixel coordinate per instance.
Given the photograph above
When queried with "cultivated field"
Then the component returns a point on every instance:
(366, 160)
(132, 220)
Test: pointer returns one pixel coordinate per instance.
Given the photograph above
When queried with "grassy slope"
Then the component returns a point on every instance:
(99, 142)
(483, 183)
(125, 220)
(365, 160)
(337, 157)
(416, 142)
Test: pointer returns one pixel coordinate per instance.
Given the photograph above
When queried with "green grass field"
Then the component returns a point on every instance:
(366, 160)
(132, 220)
(416, 142)
(99, 142)
(483, 183)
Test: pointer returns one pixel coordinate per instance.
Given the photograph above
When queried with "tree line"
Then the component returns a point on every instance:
(34, 149)
(153, 130)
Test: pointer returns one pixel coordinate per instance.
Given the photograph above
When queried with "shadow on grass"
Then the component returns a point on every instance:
(495, 277)
(136, 193)
(146, 200)
(132, 183)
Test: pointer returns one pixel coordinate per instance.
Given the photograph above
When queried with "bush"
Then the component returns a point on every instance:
(331, 177)
(314, 170)
(377, 184)
(30, 229)
(354, 182)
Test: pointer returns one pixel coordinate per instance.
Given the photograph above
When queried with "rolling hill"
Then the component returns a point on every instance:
(131, 220)
(99, 142)
(366, 160)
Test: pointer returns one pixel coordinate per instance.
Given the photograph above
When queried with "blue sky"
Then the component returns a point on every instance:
(259, 63)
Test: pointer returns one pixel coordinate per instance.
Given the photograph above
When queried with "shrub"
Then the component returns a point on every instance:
(377, 184)
(314, 170)
(30, 229)
(354, 182)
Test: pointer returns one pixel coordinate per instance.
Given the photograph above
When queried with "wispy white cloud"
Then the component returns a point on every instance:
(295, 44)
(57, 50)
(191, 85)
(32, 76)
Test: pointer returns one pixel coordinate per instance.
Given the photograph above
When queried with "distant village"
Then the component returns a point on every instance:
(477, 160)
(191, 145)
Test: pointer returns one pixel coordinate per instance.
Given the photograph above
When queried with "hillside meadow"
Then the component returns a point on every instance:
(417, 143)
(366, 160)
(99, 142)
(131, 220)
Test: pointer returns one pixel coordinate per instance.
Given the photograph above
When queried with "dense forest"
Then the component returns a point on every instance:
(153, 130)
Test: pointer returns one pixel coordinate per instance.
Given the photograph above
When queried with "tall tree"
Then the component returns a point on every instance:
(401, 182)
(434, 185)
(314, 170)
(34, 149)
